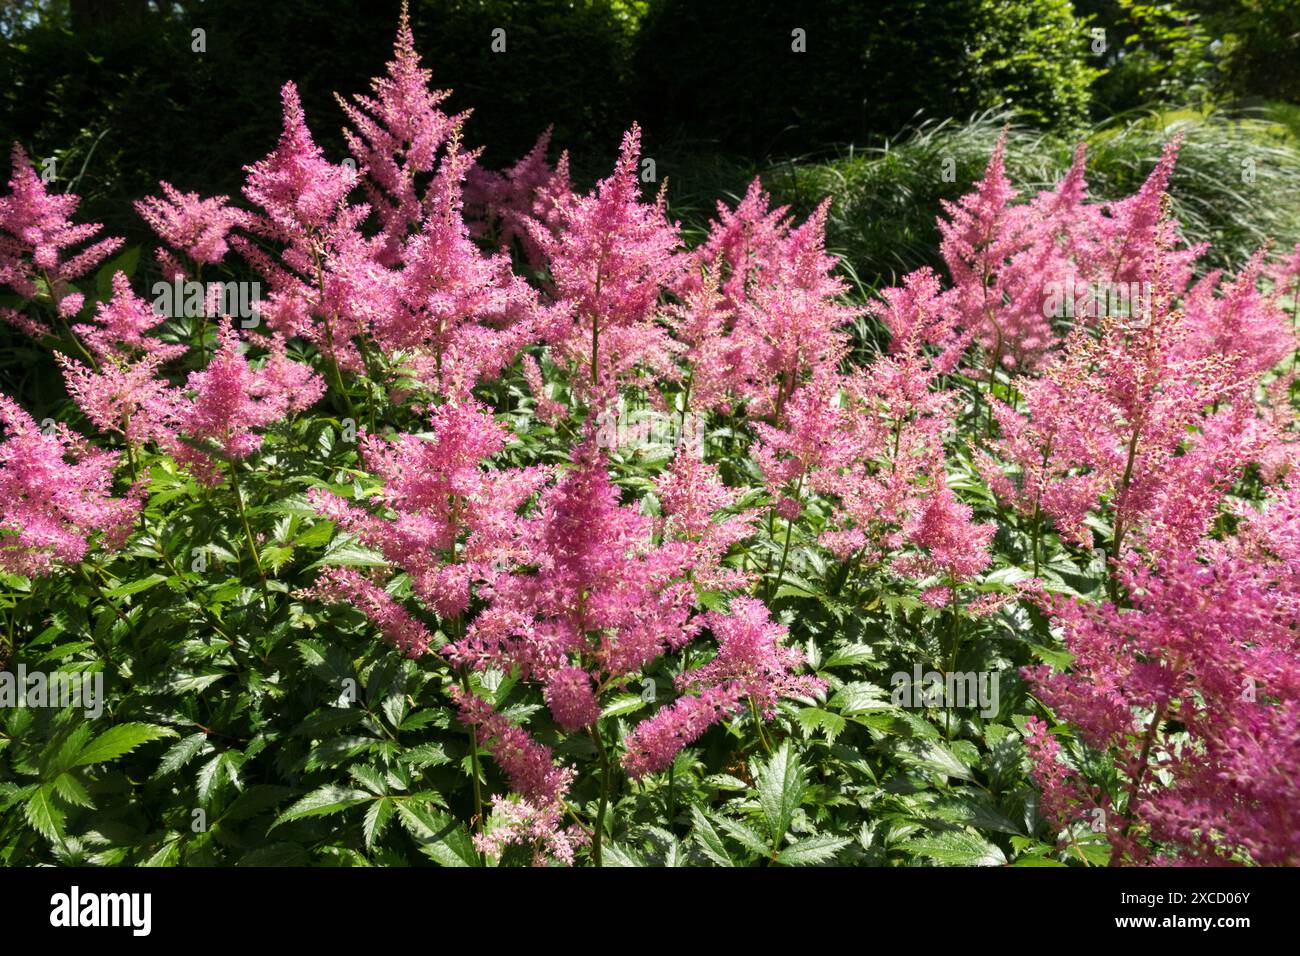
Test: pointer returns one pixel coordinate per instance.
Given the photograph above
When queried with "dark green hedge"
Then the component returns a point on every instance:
(726, 71)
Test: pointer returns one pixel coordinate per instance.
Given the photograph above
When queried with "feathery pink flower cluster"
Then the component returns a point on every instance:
(37, 243)
(120, 327)
(751, 665)
(56, 497)
(761, 309)
(503, 204)
(229, 400)
(1195, 694)
(337, 585)
(454, 521)
(189, 226)
(396, 137)
(610, 257)
(518, 822)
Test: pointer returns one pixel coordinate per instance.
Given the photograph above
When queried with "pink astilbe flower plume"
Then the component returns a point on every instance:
(547, 408)
(952, 546)
(742, 244)
(120, 327)
(466, 314)
(528, 765)
(1041, 463)
(791, 325)
(502, 204)
(752, 665)
(296, 187)
(189, 226)
(229, 401)
(326, 283)
(895, 421)
(395, 623)
(655, 742)
(56, 500)
(1128, 229)
(1241, 321)
(601, 592)
(612, 257)
(454, 520)
(396, 136)
(37, 243)
(519, 822)
(1194, 693)
(816, 444)
(131, 399)
(699, 509)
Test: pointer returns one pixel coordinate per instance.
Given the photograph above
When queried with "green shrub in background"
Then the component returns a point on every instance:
(1261, 45)
(1193, 51)
(1153, 52)
(726, 71)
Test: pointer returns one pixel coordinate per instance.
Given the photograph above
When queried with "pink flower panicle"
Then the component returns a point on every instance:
(121, 326)
(337, 585)
(396, 137)
(1209, 646)
(190, 226)
(655, 742)
(229, 400)
(528, 765)
(298, 190)
(516, 821)
(37, 239)
(56, 498)
(130, 399)
(612, 257)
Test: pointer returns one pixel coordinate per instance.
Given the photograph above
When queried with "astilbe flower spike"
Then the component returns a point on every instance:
(120, 327)
(454, 520)
(189, 226)
(326, 282)
(1194, 693)
(502, 204)
(1240, 321)
(395, 623)
(610, 260)
(129, 398)
(37, 243)
(464, 313)
(396, 136)
(751, 668)
(601, 593)
(516, 821)
(295, 186)
(227, 402)
(698, 508)
(56, 497)
(791, 326)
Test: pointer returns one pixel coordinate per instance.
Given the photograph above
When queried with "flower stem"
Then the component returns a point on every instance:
(599, 833)
(474, 768)
(248, 534)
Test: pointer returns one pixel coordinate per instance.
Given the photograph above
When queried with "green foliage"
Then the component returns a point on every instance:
(726, 72)
(1154, 52)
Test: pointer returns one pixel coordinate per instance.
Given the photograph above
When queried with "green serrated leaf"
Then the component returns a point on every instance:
(43, 814)
(119, 740)
(781, 785)
(710, 843)
(330, 798)
(958, 848)
(813, 850)
(181, 753)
